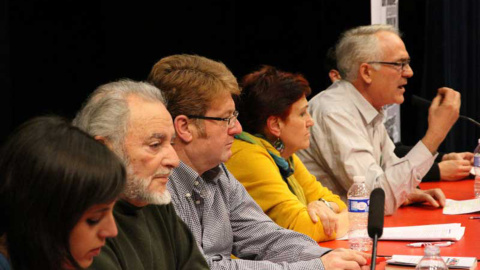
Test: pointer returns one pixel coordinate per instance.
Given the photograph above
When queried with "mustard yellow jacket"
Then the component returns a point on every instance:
(253, 166)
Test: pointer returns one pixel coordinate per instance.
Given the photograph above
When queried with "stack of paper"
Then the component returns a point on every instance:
(453, 207)
(452, 262)
(437, 232)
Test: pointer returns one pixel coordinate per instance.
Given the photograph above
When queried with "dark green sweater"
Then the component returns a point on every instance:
(150, 237)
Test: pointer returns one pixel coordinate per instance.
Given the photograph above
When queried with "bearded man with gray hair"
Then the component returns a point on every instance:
(132, 120)
(349, 137)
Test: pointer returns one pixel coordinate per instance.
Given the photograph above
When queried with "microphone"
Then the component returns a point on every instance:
(375, 220)
(422, 102)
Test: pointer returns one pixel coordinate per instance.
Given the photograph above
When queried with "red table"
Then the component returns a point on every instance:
(468, 246)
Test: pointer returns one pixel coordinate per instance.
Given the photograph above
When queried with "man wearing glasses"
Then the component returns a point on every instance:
(349, 137)
(447, 167)
(223, 217)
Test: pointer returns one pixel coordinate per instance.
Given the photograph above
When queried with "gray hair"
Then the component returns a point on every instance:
(106, 111)
(359, 45)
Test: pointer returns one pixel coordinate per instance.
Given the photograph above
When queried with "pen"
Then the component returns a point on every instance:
(476, 217)
(438, 244)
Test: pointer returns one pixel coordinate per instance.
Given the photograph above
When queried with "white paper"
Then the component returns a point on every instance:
(435, 232)
(452, 262)
(453, 207)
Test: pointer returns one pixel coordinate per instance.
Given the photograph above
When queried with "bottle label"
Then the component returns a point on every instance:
(359, 205)
(476, 160)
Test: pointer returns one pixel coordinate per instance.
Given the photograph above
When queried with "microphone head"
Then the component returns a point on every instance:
(376, 213)
(420, 102)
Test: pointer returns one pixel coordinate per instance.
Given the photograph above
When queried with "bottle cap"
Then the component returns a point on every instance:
(359, 178)
(432, 250)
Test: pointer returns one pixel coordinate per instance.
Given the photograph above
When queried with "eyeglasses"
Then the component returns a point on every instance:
(231, 120)
(400, 65)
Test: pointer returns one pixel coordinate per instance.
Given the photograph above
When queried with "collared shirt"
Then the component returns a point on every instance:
(225, 220)
(349, 139)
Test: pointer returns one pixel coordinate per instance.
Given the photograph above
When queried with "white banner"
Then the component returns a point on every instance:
(386, 12)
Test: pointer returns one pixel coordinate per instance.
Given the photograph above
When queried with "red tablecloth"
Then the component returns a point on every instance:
(468, 246)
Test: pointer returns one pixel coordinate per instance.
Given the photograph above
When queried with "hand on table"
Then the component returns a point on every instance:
(329, 219)
(452, 170)
(345, 259)
(459, 156)
(435, 197)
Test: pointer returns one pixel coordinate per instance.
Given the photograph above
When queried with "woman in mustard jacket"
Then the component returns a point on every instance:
(273, 112)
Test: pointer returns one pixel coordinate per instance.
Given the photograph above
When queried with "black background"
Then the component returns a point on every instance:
(53, 54)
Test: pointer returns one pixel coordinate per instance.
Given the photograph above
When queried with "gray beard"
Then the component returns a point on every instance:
(136, 188)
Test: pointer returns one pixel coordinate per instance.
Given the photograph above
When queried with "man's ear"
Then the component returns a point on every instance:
(182, 128)
(273, 125)
(365, 73)
(104, 141)
(334, 75)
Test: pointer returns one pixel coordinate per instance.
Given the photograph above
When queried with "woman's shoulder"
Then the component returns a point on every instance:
(247, 147)
(297, 160)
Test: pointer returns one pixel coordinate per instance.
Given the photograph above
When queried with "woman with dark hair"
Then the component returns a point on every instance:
(273, 112)
(57, 190)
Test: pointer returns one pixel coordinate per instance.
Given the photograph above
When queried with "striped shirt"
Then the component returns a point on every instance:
(225, 220)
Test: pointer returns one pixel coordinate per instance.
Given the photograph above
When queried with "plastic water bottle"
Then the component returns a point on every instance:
(358, 203)
(476, 166)
(431, 260)
(476, 183)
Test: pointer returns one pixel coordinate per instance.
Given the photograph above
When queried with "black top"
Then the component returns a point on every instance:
(150, 237)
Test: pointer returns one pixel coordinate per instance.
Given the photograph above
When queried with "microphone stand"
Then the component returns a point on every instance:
(469, 119)
(374, 252)
(375, 220)
(416, 100)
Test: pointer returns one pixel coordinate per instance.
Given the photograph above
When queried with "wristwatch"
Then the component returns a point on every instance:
(327, 203)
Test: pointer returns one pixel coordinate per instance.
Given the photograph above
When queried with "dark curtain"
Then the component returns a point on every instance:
(461, 56)
(54, 53)
(451, 55)
(60, 50)
(55, 57)
(6, 95)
